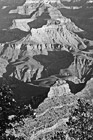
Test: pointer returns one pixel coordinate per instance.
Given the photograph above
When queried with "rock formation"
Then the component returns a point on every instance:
(52, 114)
(48, 60)
(59, 34)
(35, 9)
(58, 89)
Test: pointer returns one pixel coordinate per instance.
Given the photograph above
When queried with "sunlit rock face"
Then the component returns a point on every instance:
(27, 8)
(28, 61)
(58, 89)
(31, 5)
(53, 49)
(57, 35)
(35, 9)
(47, 57)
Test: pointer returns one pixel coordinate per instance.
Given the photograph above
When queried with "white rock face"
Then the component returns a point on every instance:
(36, 9)
(58, 34)
(58, 90)
(31, 1)
(53, 34)
(89, 1)
(29, 58)
(4, 7)
(27, 8)
(21, 24)
(52, 1)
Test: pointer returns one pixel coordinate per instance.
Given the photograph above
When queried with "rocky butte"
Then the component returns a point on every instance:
(51, 59)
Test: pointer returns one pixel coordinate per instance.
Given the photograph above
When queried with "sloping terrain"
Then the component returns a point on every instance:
(52, 114)
(51, 49)
(43, 52)
(82, 16)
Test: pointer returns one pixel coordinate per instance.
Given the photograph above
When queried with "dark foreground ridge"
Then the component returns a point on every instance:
(75, 88)
(25, 93)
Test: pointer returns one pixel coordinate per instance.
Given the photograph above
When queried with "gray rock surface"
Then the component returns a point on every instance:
(40, 59)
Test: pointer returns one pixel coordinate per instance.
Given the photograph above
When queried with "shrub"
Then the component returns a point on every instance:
(10, 112)
(10, 137)
(59, 136)
(7, 104)
(80, 122)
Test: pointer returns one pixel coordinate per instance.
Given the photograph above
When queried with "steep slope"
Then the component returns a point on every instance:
(53, 113)
(82, 16)
(52, 61)
(40, 42)
(33, 57)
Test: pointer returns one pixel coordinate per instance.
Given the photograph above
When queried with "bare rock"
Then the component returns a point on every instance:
(58, 89)
(21, 24)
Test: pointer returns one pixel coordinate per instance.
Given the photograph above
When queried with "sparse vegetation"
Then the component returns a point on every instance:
(10, 137)
(36, 100)
(80, 123)
(59, 136)
(10, 112)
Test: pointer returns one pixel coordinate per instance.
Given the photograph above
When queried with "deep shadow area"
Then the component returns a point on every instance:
(25, 93)
(83, 18)
(11, 35)
(6, 19)
(74, 3)
(40, 21)
(55, 61)
(75, 88)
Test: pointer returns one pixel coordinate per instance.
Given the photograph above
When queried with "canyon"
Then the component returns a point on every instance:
(54, 50)
(44, 51)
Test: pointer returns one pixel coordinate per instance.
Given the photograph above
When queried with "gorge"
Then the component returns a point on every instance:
(49, 49)
(46, 58)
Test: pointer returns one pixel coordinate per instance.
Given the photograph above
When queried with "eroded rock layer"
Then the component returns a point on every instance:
(53, 49)
(53, 60)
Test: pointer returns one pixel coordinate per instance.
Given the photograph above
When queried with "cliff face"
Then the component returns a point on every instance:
(33, 56)
(52, 59)
(33, 10)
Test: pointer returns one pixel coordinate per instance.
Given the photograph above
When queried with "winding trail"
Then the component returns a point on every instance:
(55, 107)
(46, 130)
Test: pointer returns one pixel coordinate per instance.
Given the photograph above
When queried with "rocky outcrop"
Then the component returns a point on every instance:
(58, 89)
(29, 57)
(3, 65)
(30, 6)
(52, 114)
(56, 34)
(24, 63)
(21, 24)
(27, 8)
(49, 38)
(81, 67)
(35, 9)
(41, 59)
(26, 71)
